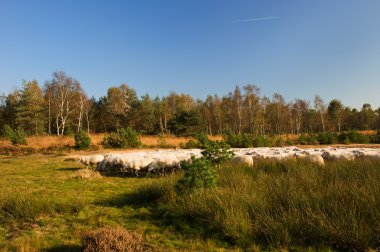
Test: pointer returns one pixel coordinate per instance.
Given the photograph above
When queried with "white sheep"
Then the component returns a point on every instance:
(91, 160)
(242, 160)
(164, 163)
(328, 155)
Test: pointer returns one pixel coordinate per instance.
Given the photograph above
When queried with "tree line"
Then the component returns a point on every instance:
(61, 107)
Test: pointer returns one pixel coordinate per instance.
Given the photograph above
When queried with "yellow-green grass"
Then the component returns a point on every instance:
(43, 207)
(292, 205)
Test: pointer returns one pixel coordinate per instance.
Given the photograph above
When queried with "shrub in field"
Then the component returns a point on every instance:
(260, 141)
(130, 137)
(199, 173)
(18, 136)
(82, 140)
(377, 138)
(312, 139)
(302, 139)
(238, 140)
(112, 239)
(327, 138)
(217, 152)
(161, 142)
(7, 132)
(200, 142)
(191, 144)
(126, 138)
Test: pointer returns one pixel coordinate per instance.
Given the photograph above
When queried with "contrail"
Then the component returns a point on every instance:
(251, 19)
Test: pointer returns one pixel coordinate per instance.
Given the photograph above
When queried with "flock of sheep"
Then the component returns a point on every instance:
(163, 161)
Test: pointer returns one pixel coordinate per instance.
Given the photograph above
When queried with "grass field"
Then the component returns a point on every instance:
(273, 206)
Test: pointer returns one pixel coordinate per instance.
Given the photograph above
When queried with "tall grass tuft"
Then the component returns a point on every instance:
(28, 206)
(288, 204)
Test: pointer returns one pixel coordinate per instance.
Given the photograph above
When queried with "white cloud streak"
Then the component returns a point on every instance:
(250, 20)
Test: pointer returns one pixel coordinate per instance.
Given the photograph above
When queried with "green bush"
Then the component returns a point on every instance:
(239, 140)
(302, 139)
(7, 132)
(126, 138)
(19, 136)
(260, 141)
(191, 144)
(217, 152)
(377, 138)
(130, 137)
(327, 138)
(82, 140)
(312, 139)
(199, 173)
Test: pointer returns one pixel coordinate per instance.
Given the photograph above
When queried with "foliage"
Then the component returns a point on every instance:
(327, 138)
(112, 239)
(186, 123)
(82, 140)
(336, 207)
(238, 140)
(217, 152)
(198, 174)
(17, 136)
(126, 138)
(7, 132)
(302, 139)
(201, 141)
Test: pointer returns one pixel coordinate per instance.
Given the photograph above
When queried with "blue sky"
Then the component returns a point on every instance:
(326, 47)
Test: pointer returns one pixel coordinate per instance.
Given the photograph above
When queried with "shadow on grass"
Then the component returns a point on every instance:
(65, 248)
(69, 169)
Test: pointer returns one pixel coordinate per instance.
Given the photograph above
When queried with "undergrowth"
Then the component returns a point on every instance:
(284, 205)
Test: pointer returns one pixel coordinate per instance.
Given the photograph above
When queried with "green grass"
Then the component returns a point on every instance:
(271, 206)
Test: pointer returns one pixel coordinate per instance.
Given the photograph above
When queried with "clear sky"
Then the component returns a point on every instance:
(296, 48)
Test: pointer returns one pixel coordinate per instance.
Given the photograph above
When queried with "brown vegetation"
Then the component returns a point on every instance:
(108, 239)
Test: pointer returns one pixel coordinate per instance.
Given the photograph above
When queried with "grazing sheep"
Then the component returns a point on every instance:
(338, 156)
(91, 160)
(164, 163)
(242, 160)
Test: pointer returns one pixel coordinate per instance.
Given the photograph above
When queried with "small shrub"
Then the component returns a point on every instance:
(7, 132)
(19, 137)
(161, 142)
(126, 138)
(327, 138)
(82, 140)
(279, 142)
(191, 144)
(130, 137)
(239, 140)
(264, 141)
(217, 152)
(199, 174)
(302, 139)
(313, 139)
(112, 239)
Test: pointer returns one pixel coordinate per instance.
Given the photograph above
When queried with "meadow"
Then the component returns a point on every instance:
(45, 204)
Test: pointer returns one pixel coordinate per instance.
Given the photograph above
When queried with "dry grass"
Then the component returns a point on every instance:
(86, 174)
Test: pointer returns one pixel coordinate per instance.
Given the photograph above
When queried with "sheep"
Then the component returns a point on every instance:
(242, 160)
(91, 160)
(328, 155)
(162, 163)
